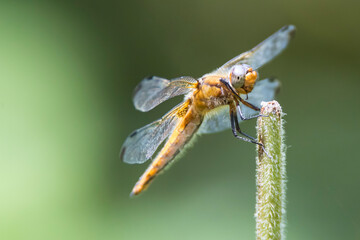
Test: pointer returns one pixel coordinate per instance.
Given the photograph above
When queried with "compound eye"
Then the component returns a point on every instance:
(239, 71)
(238, 74)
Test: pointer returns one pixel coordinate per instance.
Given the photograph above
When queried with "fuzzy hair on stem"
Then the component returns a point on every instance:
(270, 173)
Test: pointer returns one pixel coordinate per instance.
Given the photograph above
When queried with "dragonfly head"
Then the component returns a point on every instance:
(243, 78)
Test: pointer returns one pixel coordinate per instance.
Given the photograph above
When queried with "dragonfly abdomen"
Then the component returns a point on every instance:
(182, 134)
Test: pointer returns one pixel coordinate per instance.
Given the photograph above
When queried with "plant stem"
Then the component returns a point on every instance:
(270, 174)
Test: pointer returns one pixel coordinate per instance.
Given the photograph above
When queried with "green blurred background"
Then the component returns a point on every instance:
(67, 71)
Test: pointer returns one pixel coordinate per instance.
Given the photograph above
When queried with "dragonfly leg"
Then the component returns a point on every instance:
(236, 128)
(242, 117)
(249, 105)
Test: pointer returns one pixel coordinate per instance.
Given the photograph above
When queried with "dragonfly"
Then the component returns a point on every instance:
(215, 102)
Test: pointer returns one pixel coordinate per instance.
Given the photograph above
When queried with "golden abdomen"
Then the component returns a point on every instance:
(182, 134)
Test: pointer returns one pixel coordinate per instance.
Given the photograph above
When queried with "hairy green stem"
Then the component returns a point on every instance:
(270, 174)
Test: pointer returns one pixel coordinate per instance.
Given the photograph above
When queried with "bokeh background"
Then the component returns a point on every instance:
(67, 72)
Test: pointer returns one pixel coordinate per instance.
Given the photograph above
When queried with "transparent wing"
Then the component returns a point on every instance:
(154, 90)
(216, 120)
(263, 91)
(219, 119)
(263, 52)
(141, 144)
